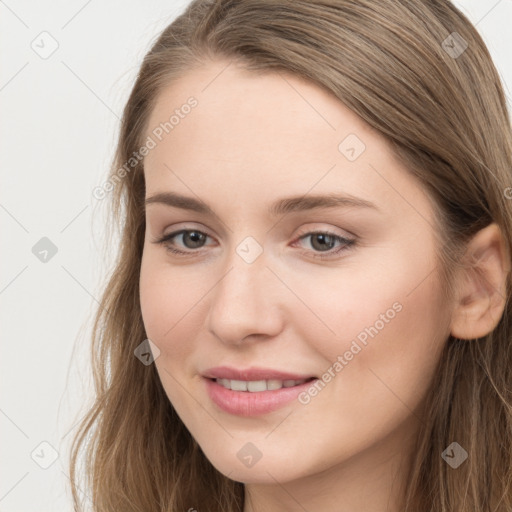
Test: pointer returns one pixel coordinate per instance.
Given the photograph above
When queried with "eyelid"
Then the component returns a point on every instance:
(332, 231)
(332, 254)
(180, 231)
(183, 226)
(302, 231)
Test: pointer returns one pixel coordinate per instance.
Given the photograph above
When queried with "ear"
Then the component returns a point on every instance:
(481, 285)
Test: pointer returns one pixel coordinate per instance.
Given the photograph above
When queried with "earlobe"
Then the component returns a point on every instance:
(481, 295)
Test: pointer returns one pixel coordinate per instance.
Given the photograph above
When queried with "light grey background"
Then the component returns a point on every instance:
(59, 122)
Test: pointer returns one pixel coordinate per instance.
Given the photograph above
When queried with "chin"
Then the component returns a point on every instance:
(264, 474)
(266, 470)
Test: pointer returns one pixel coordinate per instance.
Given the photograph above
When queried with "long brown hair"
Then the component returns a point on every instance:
(403, 67)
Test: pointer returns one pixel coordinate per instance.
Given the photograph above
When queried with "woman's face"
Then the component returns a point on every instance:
(264, 282)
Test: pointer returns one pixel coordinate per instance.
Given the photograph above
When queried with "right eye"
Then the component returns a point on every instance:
(189, 237)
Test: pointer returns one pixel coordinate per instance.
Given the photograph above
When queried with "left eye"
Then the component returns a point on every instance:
(321, 242)
(324, 241)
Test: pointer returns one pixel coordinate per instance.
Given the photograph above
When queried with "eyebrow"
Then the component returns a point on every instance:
(280, 207)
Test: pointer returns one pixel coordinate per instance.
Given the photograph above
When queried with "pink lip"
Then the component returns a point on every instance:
(246, 403)
(225, 372)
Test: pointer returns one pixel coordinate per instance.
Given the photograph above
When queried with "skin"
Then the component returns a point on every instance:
(253, 139)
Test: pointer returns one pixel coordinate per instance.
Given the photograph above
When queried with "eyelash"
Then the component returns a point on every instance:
(348, 243)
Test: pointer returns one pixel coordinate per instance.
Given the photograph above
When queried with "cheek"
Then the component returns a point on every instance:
(169, 300)
(385, 322)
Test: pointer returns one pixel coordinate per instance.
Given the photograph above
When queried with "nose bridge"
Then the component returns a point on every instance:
(243, 301)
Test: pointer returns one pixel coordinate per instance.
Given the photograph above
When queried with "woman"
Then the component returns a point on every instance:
(310, 305)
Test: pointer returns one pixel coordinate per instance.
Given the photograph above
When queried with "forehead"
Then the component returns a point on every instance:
(275, 108)
(262, 134)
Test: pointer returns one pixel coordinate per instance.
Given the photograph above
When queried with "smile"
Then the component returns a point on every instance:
(253, 398)
(255, 386)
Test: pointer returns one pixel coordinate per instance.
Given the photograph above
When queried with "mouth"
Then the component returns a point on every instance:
(255, 398)
(257, 386)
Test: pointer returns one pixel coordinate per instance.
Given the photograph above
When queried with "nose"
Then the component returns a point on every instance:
(245, 303)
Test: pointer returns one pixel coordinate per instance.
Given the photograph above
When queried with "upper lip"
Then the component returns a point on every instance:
(252, 374)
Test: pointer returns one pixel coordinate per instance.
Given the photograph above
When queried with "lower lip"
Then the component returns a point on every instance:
(246, 403)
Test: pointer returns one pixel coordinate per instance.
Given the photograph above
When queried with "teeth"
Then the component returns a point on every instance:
(255, 386)
(274, 384)
(238, 385)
